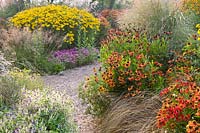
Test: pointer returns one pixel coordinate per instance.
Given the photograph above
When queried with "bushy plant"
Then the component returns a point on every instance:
(129, 66)
(180, 109)
(156, 18)
(95, 94)
(131, 63)
(14, 81)
(39, 111)
(28, 106)
(60, 18)
(9, 10)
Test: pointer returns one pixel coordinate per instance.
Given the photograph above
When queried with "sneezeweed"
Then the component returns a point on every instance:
(180, 109)
(94, 92)
(131, 62)
(191, 5)
(60, 18)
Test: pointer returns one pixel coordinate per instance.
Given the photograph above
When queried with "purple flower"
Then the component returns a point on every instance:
(74, 54)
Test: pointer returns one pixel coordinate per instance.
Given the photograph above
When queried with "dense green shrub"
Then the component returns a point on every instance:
(13, 81)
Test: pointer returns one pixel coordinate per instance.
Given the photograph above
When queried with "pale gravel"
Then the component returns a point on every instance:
(70, 81)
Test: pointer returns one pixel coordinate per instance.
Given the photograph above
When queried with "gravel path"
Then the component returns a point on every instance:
(70, 80)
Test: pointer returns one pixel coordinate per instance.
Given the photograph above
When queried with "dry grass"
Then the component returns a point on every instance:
(132, 115)
(146, 13)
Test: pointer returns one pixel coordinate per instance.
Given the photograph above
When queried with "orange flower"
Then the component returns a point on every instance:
(140, 56)
(127, 64)
(131, 78)
(102, 89)
(130, 88)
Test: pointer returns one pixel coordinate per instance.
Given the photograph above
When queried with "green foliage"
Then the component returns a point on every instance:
(9, 11)
(131, 64)
(26, 105)
(39, 111)
(14, 81)
(90, 93)
(31, 50)
(10, 91)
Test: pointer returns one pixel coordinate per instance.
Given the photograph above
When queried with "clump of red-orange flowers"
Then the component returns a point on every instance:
(181, 107)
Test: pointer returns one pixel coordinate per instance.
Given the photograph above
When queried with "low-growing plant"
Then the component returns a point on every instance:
(76, 56)
(13, 81)
(26, 79)
(40, 111)
(95, 94)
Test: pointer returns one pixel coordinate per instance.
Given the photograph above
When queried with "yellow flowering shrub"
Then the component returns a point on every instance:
(193, 5)
(60, 18)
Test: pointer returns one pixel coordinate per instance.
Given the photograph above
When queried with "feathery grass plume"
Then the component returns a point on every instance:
(158, 17)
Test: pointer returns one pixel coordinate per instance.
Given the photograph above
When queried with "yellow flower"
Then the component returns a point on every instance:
(58, 17)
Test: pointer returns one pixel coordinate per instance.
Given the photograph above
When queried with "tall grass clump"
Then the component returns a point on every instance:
(30, 50)
(158, 18)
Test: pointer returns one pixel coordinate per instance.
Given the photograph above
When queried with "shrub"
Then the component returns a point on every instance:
(130, 65)
(158, 17)
(14, 81)
(59, 18)
(40, 111)
(9, 10)
(180, 109)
